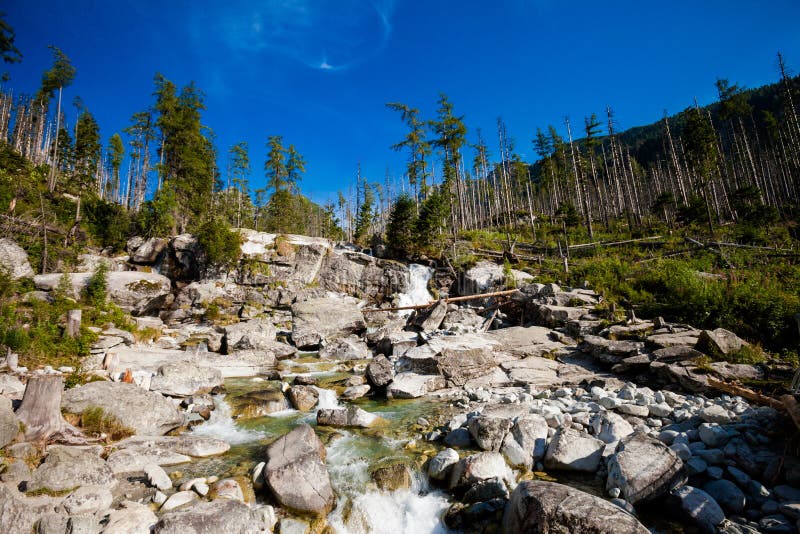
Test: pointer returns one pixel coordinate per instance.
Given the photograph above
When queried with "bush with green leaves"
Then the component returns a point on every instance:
(96, 292)
(221, 245)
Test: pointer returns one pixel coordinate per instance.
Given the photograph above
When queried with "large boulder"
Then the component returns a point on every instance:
(138, 452)
(489, 432)
(412, 385)
(430, 319)
(610, 427)
(699, 507)
(643, 468)
(9, 424)
(249, 335)
(147, 253)
(131, 518)
(380, 371)
(133, 291)
(182, 379)
(65, 468)
(222, 516)
(479, 467)
(144, 412)
(484, 277)
(346, 348)
(14, 260)
(18, 513)
(303, 398)
(352, 416)
(292, 260)
(720, 342)
(572, 450)
(526, 443)
(324, 319)
(296, 472)
(540, 507)
(362, 276)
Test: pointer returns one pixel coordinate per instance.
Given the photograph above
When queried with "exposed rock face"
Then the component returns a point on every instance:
(643, 468)
(526, 443)
(249, 335)
(326, 319)
(347, 348)
(573, 451)
(411, 385)
(147, 253)
(362, 276)
(67, 467)
(14, 260)
(543, 507)
(720, 342)
(87, 500)
(223, 516)
(182, 379)
(430, 319)
(489, 432)
(18, 513)
(9, 424)
(133, 291)
(145, 412)
(296, 472)
(479, 467)
(485, 276)
(291, 259)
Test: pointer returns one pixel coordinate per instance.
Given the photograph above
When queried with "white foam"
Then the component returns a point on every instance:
(418, 277)
(327, 399)
(222, 426)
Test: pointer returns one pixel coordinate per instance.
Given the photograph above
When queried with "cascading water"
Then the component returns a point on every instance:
(418, 277)
(221, 425)
(361, 510)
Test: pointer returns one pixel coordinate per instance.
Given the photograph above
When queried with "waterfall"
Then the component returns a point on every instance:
(417, 293)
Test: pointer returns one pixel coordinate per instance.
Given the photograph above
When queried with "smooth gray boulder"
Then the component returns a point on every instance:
(131, 290)
(303, 398)
(699, 507)
(144, 412)
(571, 450)
(478, 467)
(484, 277)
(296, 472)
(9, 424)
(223, 516)
(610, 427)
(411, 385)
(489, 432)
(249, 335)
(182, 379)
(440, 465)
(727, 495)
(130, 518)
(14, 260)
(643, 468)
(526, 443)
(720, 342)
(65, 468)
(147, 252)
(346, 348)
(19, 513)
(431, 319)
(324, 319)
(88, 500)
(544, 507)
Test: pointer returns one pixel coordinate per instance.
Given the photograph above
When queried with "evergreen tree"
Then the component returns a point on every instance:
(8, 51)
(295, 167)
(88, 150)
(400, 232)
(432, 223)
(701, 151)
(239, 171)
(275, 166)
(116, 151)
(365, 214)
(418, 148)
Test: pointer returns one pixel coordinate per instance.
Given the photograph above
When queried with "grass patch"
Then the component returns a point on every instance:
(94, 420)
(49, 492)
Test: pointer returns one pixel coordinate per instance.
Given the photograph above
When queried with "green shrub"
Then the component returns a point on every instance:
(221, 244)
(96, 292)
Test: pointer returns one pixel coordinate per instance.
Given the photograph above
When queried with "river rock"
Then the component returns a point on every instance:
(296, 472)
(440, 465)
(430, 319)
(14, 260)
(538, 506)
(380, 371)
(573, 451)
(144, 412)
(713, 435)
(489, 432)
(484, 277)
(526, 443)
(325, 319)
(303, 398)
(355, 392)
(182, 379)
(228, 488)
(643, 468)
(9, 424)
(68, 467)
(478, 467)
(699, 507)
(347, 348)
(249, 335)
(727, 495)
(459, 366)
(259, 403)
(87, 500)
(157, 477)
(392, 477)
(610, 427)
(362, 276)
(352, 416)
(462, 320)
(411, 385)
(220, 516)
(176, 500)
(135, 453)
(130, 518)
(720, 342)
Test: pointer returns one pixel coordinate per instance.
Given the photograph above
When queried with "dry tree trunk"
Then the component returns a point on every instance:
(40, 411)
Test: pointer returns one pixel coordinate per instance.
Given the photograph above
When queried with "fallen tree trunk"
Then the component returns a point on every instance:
(745, 393)
(40, 412)
(447, 301)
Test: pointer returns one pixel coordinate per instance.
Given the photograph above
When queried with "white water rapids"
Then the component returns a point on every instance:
(221, 425)
(418, 277)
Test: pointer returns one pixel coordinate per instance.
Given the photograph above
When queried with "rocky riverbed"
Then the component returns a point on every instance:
(276, 398)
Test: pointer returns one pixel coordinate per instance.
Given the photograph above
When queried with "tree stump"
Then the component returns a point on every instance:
(74, 323)
(40, 411)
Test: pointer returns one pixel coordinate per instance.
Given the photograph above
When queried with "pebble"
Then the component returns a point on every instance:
(715, 472)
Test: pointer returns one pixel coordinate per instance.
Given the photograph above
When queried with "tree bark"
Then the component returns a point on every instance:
(40, 411)
(73, 323)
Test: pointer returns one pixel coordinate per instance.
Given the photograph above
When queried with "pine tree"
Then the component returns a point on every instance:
(275, 166)
(239, 171)
(88, 152)
(365, 213)
(116, 151)
(418, 148)
(8, 52)
(400, 232)
(295, 167)
(59, 76)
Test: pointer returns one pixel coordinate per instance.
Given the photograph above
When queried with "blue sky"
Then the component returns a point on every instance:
(319, 72)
